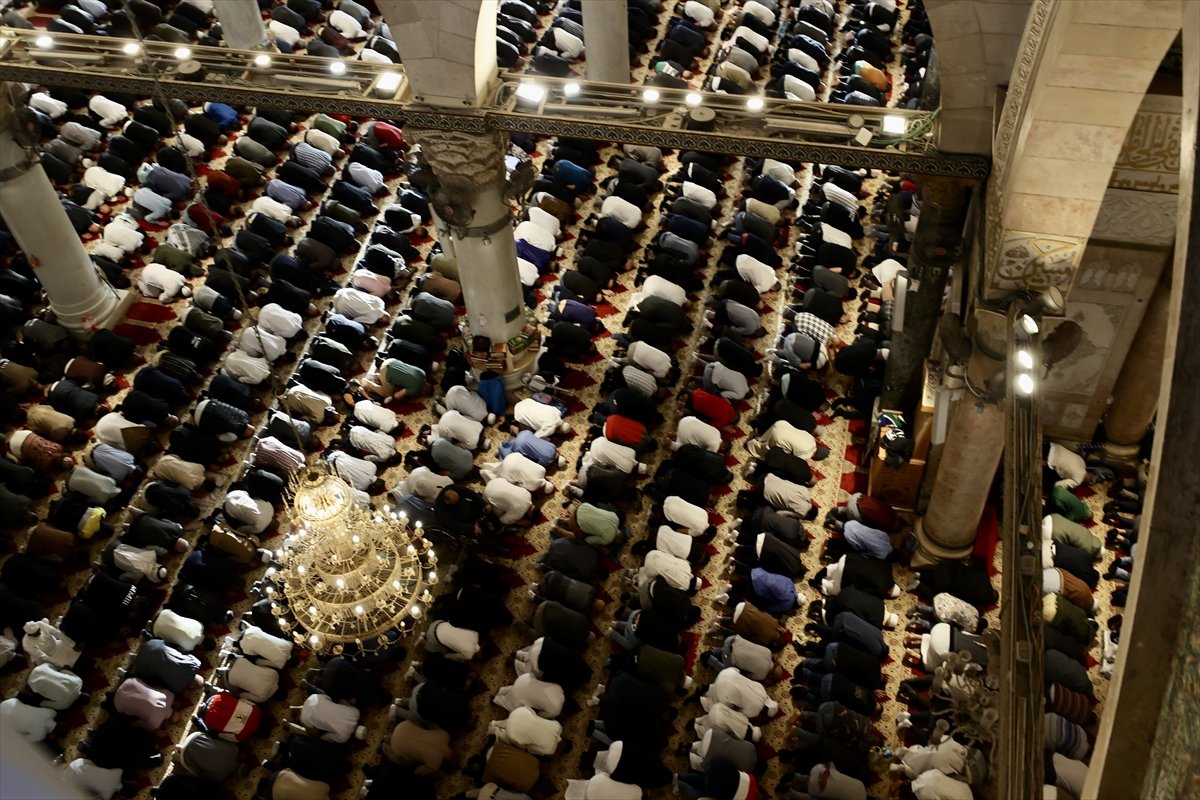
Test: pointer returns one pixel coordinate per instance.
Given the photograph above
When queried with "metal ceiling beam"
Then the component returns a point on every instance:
(603, 112)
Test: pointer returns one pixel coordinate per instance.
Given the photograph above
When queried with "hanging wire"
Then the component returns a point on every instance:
(278, 384)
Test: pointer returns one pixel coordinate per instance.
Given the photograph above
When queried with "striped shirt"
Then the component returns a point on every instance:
(285, 193)
(640, 381)
(188, 238)
(308, 156)
(272, 453)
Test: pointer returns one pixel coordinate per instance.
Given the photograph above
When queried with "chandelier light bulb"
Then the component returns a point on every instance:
(314, 640)
(341, 584)
(355, 538)
(337, 67)
(1024, 360)
(183, 53)
(358, 611)
(1029, 324)
(131, 48)
(301, 569)
(1025, 383)
(651, 95)
(570, 89)
(312, 610)
(693, 99)
(754, 104)
(44, 42)
(262, 60)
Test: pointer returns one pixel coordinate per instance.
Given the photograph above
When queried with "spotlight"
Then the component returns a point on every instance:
(337, 67)
(1028, 324)
(693, 99)
(894, 124)
(1025, 383)
(183, 53)
(650, 95)
(44, 42)
(531, 93)
(754, 104)
(131, 48)
(388, 82)
(1024, 360)
(262, 60)
(570, 89)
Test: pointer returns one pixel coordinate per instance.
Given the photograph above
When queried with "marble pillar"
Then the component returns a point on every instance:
(242, 24)
(607, 41)
(973, 447)
(1135, 394)
(473, 211)
(81, 299)
(1147, 740)
(487, 268)
(937, 245)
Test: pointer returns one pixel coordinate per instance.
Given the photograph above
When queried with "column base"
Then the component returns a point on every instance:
(105, 312)
(929, 553)
(1122, 454)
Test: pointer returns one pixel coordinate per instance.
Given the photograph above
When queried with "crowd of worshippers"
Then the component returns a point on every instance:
(162, 444)
(1070, 580)
(345, 29)
(793, 47)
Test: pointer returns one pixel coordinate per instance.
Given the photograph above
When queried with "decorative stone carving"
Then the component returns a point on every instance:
(1036, 261)
(463, 164)
(1137, 217)
(1028, 59)
(474, 158)
(1149, 159)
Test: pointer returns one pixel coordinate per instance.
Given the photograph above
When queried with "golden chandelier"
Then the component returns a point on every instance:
(355, 579)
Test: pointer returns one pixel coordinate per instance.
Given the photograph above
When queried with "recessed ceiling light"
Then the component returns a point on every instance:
(894, 124)
(388, 82)
(532, 92)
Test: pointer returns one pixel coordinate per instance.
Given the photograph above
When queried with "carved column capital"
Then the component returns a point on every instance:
(466, 166)
(473, 160)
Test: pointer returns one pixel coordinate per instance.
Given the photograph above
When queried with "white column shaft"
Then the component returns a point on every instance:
(80, 298)
(487, 268)
(241, 23)
(606, 40)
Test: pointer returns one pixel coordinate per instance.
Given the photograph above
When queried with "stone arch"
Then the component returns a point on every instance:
(448, 47)
(976, 42)
(1081, 75)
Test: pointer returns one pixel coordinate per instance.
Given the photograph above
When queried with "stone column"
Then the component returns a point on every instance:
(606, 32)
(242, 24)
(1147, 740)
(1135, 394)
(470, 202)
(937, 245)
(974, 444)
(80, 298)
